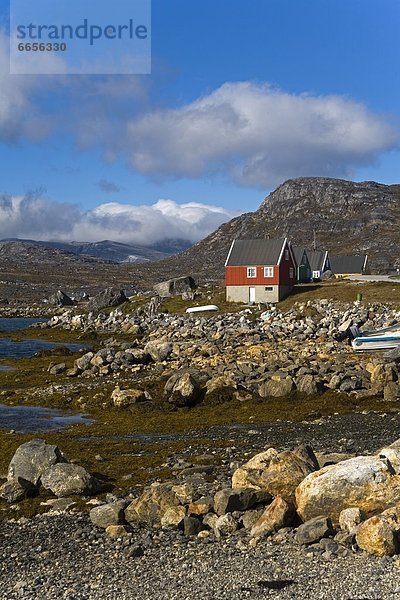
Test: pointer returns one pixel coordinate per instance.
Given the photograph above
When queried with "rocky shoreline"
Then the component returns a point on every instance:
(273, 516)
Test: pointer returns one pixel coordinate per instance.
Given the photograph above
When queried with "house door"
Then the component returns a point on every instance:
(252, 295)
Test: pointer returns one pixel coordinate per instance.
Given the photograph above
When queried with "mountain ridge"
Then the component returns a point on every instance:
(347, 217)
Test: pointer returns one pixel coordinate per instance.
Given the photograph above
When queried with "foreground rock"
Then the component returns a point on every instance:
(370, 483)
(276, 473)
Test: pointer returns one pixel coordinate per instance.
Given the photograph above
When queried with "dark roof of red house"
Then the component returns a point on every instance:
(255, 252)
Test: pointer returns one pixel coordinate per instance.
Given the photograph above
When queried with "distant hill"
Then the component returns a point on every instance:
(347, 218)
(107, 250)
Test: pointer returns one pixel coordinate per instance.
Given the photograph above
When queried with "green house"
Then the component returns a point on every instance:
(303, 267)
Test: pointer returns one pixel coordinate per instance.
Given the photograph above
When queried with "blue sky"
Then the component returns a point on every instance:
(242, 96)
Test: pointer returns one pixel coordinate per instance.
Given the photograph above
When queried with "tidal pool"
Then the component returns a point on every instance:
(31, 419)
(18, 323)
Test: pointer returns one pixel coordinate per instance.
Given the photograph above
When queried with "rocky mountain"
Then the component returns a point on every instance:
(108, 250)
(347, 217)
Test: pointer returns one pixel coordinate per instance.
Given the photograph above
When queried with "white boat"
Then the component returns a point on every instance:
(195, 309)
(382, 339)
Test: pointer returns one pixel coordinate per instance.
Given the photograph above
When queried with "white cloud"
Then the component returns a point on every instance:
(259, 135)
(19, 116)
(93, 110)
(255, 134)
(35, 217)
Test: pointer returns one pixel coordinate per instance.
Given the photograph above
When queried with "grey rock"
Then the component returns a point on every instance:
(64, 479)
(108, 514)
(31, 460)
(12, 491)
(226, 524)
(276, 388)
(159, 351)
(106, 298)
(175, 286)
(60, 299)
(313, 530)
(230, 500)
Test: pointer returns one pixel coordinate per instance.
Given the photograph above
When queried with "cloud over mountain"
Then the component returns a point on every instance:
(36, 217)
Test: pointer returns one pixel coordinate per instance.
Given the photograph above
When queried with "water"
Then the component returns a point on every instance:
(16, 324)
(30, 419)
(26, 348)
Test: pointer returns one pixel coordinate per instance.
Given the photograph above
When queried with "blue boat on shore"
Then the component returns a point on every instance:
(382, 339)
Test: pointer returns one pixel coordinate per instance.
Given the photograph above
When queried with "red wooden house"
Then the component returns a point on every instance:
(260, 270)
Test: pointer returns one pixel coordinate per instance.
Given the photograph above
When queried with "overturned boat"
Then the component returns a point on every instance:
(206, 308)
(382, 339)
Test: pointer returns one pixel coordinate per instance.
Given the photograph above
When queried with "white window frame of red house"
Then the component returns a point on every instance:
(251, 272)
(268, 272)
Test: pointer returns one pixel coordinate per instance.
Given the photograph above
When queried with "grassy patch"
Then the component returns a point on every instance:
(344, 291)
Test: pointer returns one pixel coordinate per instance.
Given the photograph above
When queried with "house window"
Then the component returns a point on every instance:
(268, 271)
(286, 254)
(291, 273)
(315, 274)
(269, 288)
(251, 272)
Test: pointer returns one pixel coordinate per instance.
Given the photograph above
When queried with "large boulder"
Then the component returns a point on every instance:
(60, 298)
(276, 387)
(314, 530)
(379, 534)
(176, 286)
(106, 515)
(277, 515)
(125, 398)
(31, 460)
(159, 350)
(370, 483)
(64, 479)
(106, 298)
(182, 390)
(282, 473)
(150, 508)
